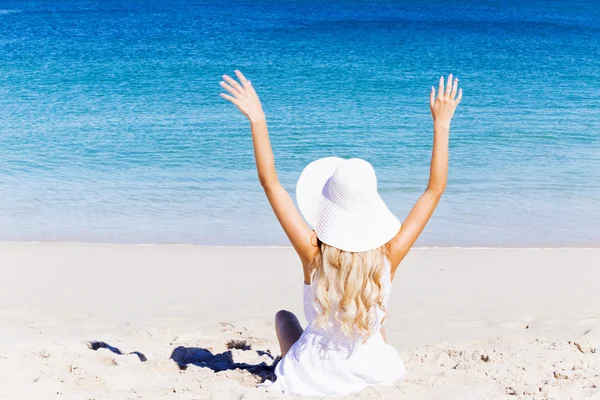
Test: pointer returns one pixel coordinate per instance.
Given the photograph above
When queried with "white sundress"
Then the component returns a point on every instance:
(325, 362)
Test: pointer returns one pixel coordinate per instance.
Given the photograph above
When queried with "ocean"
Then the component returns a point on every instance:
(112, 128)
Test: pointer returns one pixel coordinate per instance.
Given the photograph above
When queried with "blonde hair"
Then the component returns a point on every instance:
(349, 288)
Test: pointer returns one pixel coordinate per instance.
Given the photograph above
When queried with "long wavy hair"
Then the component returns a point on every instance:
(349, 288)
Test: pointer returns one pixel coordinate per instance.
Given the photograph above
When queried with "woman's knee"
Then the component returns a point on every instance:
(284, 316)
(288, 330)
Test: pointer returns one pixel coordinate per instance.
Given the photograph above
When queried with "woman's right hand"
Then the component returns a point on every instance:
(442, 107)
(442, 110)
(244, 96)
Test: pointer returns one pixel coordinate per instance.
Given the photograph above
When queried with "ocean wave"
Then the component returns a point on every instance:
(4, 12)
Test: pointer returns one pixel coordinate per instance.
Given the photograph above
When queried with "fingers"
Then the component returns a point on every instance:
(242, 78)
(432, 97)
(250, 88)
(447, 91)
(454, 89)
(449, 85)
(230, 89)
(235, 84)
(459, 96)
(227, 97)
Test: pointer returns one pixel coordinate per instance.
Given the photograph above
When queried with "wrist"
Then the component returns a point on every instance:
(441, 125)
(258, 119)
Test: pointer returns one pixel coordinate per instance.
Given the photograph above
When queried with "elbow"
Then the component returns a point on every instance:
(438, 190)
(264, 182)
(437, 186)
(267, 184)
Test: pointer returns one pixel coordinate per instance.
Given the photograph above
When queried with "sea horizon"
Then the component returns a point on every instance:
(112, 129)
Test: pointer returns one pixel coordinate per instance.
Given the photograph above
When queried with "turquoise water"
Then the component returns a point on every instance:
(112, 130)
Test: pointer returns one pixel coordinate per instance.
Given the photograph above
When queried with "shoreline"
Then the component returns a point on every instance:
(585, 246)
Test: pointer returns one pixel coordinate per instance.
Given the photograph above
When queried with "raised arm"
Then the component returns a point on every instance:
(442, 110)
(299, 233)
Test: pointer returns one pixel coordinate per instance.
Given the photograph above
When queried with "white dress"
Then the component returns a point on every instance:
(325, 362)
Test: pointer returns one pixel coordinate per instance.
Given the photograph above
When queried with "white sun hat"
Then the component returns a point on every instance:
(339, 200)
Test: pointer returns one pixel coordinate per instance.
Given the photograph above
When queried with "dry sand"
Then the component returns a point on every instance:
(469, 323)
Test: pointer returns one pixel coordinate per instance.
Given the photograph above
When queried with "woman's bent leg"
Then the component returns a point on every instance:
(288, 330)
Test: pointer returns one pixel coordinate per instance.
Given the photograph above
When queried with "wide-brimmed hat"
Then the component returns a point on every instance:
(339, 200)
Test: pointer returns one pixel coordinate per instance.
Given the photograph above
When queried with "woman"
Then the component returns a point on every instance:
(349, 257)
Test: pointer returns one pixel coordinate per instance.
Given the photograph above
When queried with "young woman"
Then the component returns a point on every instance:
(349, 257)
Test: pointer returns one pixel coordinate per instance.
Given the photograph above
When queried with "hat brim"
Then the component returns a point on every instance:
(358, 230)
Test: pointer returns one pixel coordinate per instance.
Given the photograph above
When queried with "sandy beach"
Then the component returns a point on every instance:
(82, 321)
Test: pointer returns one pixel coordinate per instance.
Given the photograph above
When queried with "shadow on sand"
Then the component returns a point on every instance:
(201, 357)
(95, 345)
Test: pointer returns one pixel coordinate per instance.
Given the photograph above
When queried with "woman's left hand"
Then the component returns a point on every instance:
(244, 96)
